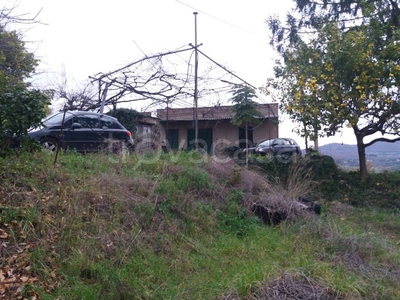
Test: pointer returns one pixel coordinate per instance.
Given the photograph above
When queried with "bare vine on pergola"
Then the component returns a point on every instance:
(161, 79)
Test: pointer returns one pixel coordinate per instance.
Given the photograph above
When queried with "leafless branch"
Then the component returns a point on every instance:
(8, 15)
(381, 140)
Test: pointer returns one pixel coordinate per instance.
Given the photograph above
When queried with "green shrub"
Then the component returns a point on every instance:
(127, 116)
(232, 151)
(326, 172)
(380, 189)
(233, 216)
(19, 110)
(321, 169)
(272, 167)
(193, 179)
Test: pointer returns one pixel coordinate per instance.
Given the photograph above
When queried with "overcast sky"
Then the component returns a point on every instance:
(91, 36)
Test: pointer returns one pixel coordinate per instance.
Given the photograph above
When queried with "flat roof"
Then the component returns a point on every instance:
(269, 110)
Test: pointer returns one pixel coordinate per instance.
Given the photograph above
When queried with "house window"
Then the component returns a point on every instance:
(242, 136)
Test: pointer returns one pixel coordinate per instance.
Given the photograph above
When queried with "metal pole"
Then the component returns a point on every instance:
(104, 97)
(196, 66)
(60, 137)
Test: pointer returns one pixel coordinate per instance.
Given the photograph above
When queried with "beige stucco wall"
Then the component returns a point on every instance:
(265, 131)
(224, 132)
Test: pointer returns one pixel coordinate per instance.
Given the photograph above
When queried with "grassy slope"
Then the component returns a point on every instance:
(179, 227)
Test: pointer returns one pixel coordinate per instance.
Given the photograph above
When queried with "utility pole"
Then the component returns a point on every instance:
(196, 66)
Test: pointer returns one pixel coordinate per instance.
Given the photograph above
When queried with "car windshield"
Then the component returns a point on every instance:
(259, 143)
(55, 119)
(264, 144)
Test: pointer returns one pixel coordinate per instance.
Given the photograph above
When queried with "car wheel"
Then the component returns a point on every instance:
(49, 144)
(269, 153)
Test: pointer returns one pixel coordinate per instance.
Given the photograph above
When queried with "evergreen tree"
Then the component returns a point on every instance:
(245, 110)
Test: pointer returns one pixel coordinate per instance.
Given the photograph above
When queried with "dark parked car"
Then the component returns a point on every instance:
(278, 146)
(252, 148)
(82, 131)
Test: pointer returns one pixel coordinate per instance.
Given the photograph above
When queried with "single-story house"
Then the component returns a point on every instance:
(215, 130)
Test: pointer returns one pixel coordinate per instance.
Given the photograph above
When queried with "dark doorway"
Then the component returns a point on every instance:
(205, 137)
(242, 137)
(173, 138)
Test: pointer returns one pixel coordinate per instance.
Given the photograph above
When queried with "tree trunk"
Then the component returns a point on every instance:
(306, 138)
(316, 146)
(247, 147)
(361, 156)
(306, 144)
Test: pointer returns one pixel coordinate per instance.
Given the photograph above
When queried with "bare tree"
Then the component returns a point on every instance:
(71, 95)
(8, 15)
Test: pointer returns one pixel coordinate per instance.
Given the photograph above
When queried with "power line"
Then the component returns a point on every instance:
(216, 18)
(223, 67)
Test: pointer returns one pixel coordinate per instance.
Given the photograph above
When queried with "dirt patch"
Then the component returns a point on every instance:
(290, 287)
(342, 210)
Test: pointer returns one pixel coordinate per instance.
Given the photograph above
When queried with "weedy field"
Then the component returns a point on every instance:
(180, 226)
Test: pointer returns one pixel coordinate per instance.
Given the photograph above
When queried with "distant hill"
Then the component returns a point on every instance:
(337, 150)
(380, 149)
(381, 155)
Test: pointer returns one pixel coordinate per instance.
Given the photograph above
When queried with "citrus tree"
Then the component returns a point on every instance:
(295, 88)
(340, 75)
